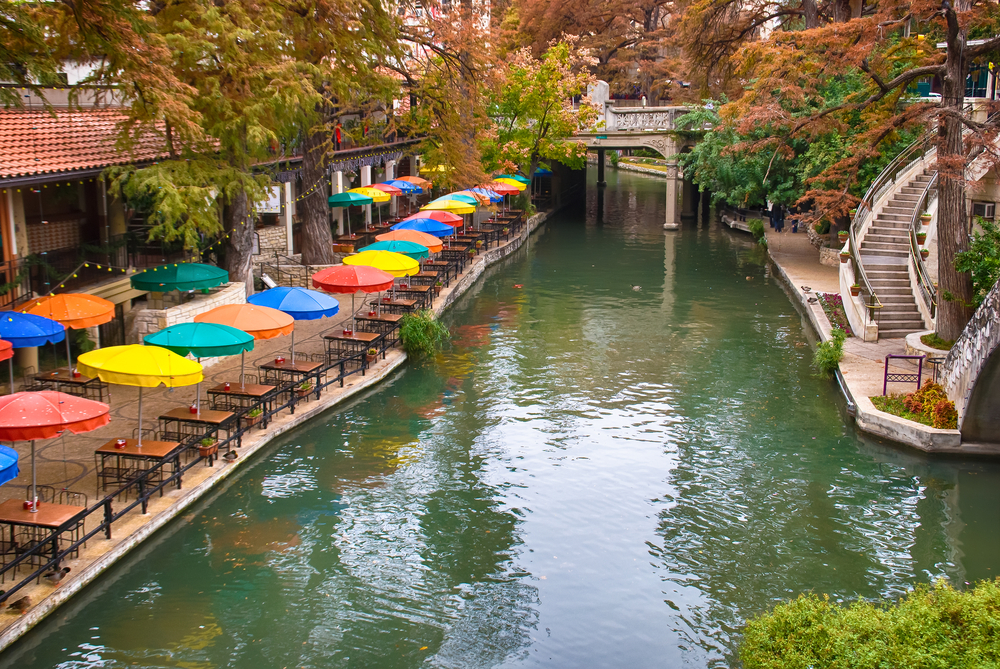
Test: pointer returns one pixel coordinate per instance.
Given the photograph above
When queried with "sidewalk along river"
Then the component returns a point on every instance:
(623, 455)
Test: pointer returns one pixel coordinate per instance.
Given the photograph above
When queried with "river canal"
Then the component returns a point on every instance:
(591, 476)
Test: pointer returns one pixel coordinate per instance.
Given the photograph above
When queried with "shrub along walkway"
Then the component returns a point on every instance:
(863, 364)
(69, 462)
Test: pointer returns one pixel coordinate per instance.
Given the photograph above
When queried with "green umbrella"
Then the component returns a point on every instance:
(515, 177)
(179, 276)
(410, 249)
(202, 340)
(348, 199)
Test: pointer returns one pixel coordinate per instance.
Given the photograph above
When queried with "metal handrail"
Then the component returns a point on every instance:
(928, 291)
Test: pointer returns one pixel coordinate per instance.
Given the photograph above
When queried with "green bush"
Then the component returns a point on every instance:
(823, 227)
(982, 259)
(422, 334)
(829, 353)
(931, 627)
(756, 227)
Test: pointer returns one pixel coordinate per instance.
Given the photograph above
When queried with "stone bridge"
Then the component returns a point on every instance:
(971, 374)
(647, 128)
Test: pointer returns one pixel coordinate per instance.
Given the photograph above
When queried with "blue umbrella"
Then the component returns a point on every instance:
(494, 197)
(8, 464)
(405, 186)
(458, 196)
(301, 304)
(27, 330)
(428, 225)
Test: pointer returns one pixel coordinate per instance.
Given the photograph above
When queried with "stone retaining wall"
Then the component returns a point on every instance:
(968, 356)
(273, 237)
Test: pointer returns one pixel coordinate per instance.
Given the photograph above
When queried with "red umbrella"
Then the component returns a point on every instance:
(7, 353)
(445, 217)
(351, 279)
(45, 414)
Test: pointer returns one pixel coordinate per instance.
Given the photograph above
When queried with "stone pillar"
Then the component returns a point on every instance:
(673, 218)
(600, 169)
(289, 243)
(390, 174)
(366, 180)
(337, 186)
(26, 357)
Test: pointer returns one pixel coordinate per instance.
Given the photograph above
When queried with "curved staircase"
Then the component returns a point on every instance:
(885, 253)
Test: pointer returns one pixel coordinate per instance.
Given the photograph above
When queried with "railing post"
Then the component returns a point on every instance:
(108, 515)
(142, 494)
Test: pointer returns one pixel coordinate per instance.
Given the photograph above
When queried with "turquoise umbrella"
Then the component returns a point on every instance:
(410, 249)
(202, 340)
(515, 177)
(458, 196)
(348, 199)
(179, 276)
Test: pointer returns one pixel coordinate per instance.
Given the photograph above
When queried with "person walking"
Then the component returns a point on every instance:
(336, 135)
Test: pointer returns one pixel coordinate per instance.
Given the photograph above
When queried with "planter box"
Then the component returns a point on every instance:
(303, 393)
(208, 451)
(370, 358)
(251, 420)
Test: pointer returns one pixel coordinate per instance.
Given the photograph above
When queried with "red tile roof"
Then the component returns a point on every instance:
(34, 142)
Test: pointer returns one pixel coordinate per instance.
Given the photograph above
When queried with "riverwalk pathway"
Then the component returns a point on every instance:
(863, 365)
(69, 462)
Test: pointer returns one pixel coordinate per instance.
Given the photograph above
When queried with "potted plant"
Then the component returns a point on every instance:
(853, 213)
(208, 447)
(304, 388)
(842, 236)
(253, 416)
(925, 219)
(921, 238)
(924, 253)
(479, 243)
(844, 256)
(855, 290)
(437, 287)
(371, 355)
(506, 231)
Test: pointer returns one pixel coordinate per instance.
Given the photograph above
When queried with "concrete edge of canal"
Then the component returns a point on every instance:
(867, 418)
(252, 445)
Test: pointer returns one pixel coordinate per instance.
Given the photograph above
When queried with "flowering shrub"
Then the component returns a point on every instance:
(833, 307)
(928, 405)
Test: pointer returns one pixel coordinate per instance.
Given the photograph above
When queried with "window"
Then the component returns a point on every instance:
(985, 210)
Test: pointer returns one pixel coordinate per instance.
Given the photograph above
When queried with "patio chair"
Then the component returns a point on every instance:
(46, 493)
(30, 383)
(75, 531)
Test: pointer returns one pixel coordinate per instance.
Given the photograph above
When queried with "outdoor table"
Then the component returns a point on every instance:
(290, 373)
(456, 253)
(442, 266)
(63, 379)
(47, 517)
(190, 425)
(497, 229)
(243, 398)
(384, 324)
(423, 278)
(399, 306)
(340, 345)
(423, 294)
(127, 462)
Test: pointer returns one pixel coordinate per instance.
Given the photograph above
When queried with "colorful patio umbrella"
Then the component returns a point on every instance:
(396, 264)
(28, 330)
(375, 194)
(388, 189)
(142, 366)
(468, 198)
(491, 195)
(502, 188)
(452, 205)
(345, 279)
(347, 200)
(451, 219)
(8, 464)
(261, 322)
(405, 186)
(407, 248)
(477, 198)
(202, 340)
(427, 225)
(74, 310)
(417, 181)
(511, 182)
(7, 353)
(301, 304)
(179, 276)
(520, 178)
(45, 414)
(432, 243)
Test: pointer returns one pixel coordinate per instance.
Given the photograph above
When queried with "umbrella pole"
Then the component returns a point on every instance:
(140, 418)
(352, 310)
(243, 354)
(293, 347)
(10, 368)
(197, 397)
(69, 358)
(34, 488)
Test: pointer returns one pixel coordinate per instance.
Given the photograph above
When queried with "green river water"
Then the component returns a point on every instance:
(590, 476)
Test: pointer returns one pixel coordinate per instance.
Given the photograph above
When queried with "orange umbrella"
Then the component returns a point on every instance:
(261, 322)
(423, 183)
(432, 243)
(74, 310)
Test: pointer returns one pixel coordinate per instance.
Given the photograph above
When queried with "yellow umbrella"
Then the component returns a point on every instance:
(454, 206)
(394, 263)
(512, 182)
(142, 366)
(378, 196)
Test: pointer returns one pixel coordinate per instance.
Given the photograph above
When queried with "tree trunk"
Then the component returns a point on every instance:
(954, 288)
(239, 249)
(811, 13)
(317, 240)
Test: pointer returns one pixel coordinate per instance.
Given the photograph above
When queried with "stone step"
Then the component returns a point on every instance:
(898, 334)
(898, 291)
(874, 265)
(921, 178)
(897, 211)
(911, 324)
(899, 218)
(885, 249)
(909, 198)
(909, 190)
(887, 239)
(890, 223)
(901, 231)
(883, 285)
(896, 310)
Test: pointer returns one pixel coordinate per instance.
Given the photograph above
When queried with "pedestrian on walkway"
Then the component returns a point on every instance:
(336, 135)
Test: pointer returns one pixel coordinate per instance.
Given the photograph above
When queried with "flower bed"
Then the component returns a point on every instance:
(929, 406)
(833, 307)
